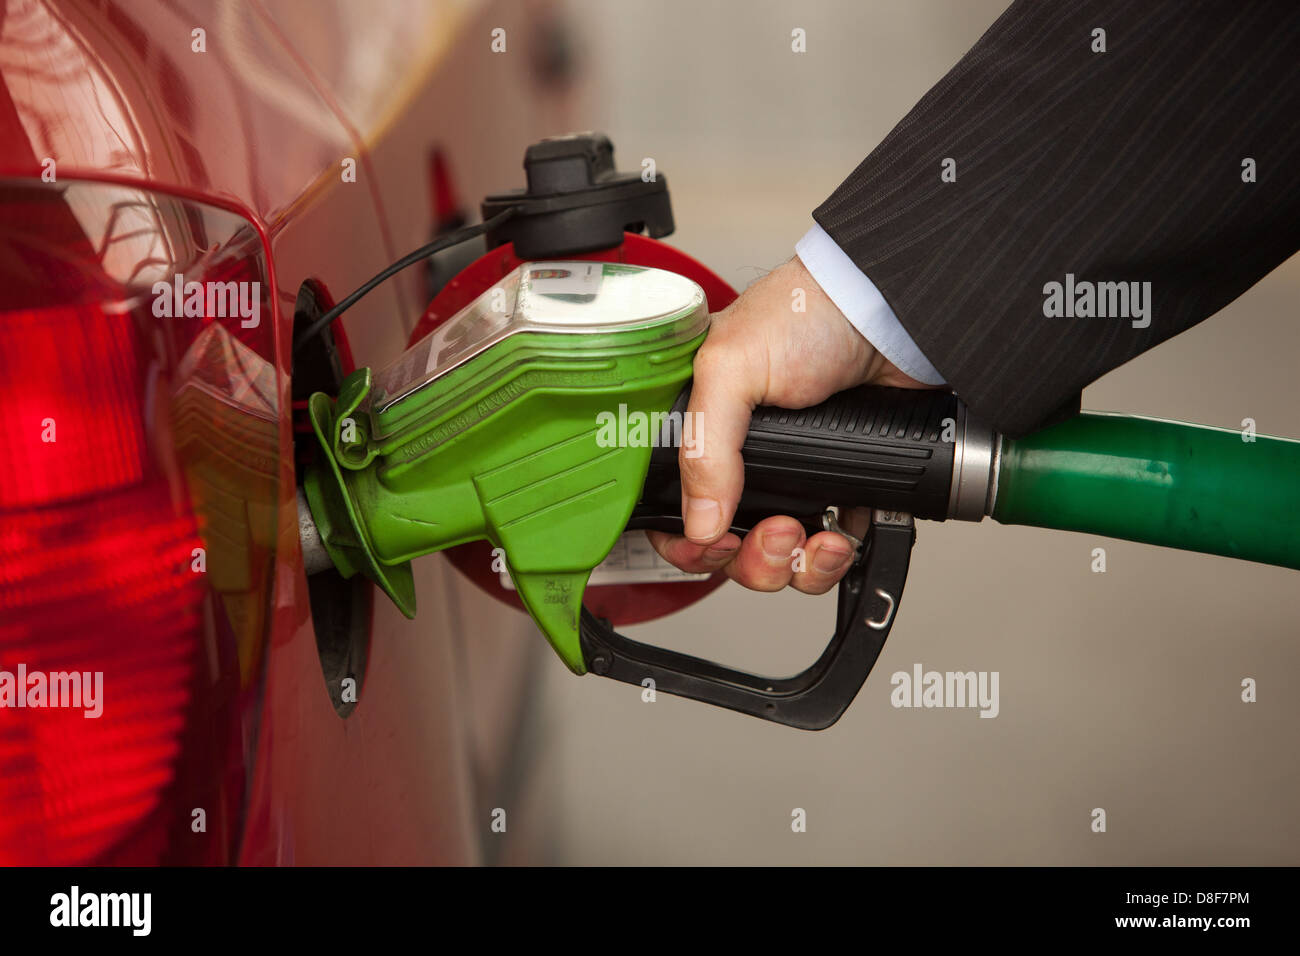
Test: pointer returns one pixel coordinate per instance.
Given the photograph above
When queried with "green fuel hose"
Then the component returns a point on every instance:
(1182, 486)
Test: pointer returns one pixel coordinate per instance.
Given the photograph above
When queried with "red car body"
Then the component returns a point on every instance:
(148, 527)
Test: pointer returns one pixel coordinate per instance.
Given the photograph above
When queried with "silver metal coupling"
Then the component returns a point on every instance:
(974, 469)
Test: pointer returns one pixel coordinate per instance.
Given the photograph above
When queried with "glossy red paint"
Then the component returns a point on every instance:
(267, 113)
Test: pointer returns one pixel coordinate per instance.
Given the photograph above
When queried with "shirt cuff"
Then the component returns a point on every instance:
(862, 304)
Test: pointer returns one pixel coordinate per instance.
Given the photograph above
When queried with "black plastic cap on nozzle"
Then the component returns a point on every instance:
(576, 201)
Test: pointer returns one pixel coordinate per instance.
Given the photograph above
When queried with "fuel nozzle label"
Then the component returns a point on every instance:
(632, 561)
(565, 278)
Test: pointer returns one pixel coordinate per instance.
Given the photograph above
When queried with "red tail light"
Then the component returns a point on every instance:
(137, 513)
(69, 378)
(87, 591)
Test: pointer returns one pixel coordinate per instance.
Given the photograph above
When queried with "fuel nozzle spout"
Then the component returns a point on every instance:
(315, 557)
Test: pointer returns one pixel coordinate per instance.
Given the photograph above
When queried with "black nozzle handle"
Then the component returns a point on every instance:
(817, 696)
(877, 447)
(900, 452)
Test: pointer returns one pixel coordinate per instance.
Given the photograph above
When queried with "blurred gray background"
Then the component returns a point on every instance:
(1119, 690)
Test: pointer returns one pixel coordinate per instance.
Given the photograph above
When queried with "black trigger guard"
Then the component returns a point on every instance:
(814, 698)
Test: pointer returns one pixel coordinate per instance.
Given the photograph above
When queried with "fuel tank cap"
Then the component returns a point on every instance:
(577, 201)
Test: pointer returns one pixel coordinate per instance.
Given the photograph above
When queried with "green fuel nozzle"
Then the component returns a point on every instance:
(547, 417)
(495, 426)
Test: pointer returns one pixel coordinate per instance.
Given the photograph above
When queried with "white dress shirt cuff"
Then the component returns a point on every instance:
(862, 304)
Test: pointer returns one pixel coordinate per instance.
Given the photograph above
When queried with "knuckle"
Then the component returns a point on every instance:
(711, 357)
(696, 471)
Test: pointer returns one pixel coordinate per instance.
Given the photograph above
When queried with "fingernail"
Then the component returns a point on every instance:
(779, 545)
(702, 518)
(719, 555)
(831, 559)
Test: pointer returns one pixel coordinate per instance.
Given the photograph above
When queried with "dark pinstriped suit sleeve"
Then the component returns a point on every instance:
(1116, 166)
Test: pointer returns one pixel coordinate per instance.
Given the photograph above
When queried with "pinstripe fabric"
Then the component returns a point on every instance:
(1116, 166)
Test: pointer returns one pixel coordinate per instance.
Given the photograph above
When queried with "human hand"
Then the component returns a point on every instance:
(759, 351)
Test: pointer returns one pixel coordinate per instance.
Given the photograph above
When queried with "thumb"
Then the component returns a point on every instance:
(713, 474)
